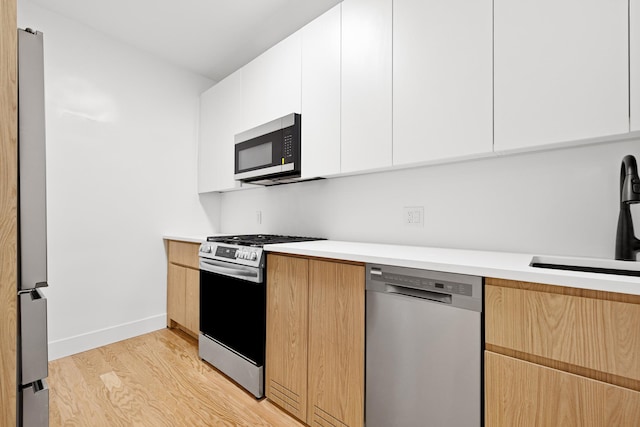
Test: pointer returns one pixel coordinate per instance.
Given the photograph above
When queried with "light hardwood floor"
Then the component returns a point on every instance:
(155, 379)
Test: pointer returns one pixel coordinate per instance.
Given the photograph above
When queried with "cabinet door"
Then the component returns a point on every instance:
(634, 27)
(596, 334)
(321, 95)
(561, 71)
(220, 120)
(366, 85)
(336, 344)
(287, 326)
(271, 84)
(176, 293)
(519, 393)
(442, 79)
(192, 300)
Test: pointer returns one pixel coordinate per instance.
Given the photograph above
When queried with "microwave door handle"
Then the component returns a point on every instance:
(264, 171)
(221, 268)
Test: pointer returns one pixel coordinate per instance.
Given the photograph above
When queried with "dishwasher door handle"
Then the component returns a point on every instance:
(418, 293)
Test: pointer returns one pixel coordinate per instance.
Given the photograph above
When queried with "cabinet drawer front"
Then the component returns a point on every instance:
(184, 253)
(519, 393)
(596, 334)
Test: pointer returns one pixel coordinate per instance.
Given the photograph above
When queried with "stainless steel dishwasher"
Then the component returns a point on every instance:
(423, 348)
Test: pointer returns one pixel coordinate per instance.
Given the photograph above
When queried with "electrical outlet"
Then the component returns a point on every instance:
(259, 217)
(413, 215)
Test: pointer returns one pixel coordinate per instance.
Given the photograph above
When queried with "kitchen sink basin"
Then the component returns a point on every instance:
(589, 265)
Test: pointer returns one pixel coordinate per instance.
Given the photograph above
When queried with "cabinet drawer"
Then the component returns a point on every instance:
(519, 393)
(184, 253)
(581, 331)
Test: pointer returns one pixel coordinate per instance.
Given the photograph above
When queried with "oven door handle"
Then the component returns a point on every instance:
(246, 273)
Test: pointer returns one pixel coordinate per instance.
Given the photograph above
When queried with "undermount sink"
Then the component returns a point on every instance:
(589, 265)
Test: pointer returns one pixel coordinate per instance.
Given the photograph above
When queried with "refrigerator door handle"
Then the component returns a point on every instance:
(35, 404)
(33, 337)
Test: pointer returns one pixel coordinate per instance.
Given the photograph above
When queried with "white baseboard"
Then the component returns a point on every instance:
(91, 340)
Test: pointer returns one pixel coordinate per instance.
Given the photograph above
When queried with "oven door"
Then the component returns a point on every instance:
(233, 306)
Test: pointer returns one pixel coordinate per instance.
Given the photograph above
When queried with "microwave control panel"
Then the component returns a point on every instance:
(287, 145)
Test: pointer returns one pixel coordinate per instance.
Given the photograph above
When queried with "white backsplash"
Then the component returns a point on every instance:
(554, 202)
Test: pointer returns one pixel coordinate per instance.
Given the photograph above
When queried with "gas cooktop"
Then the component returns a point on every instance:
(258, 240)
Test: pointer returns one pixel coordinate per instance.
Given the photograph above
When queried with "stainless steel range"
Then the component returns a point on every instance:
(233, 305)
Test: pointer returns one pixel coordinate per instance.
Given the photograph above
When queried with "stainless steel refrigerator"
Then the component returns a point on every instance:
(33, 392)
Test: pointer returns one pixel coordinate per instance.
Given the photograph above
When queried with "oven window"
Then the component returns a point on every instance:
(253, 157)
(232, 311)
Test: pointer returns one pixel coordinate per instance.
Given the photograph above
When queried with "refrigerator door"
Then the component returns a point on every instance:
(33, 336)
(35, 404)
(31, 157)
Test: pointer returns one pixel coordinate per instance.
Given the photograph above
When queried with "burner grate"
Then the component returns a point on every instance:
(258, 240)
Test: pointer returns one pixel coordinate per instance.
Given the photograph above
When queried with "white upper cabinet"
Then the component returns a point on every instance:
(561, 71)
(442, 79)
(220, 120)
(271, 84)
(634, 26)
(321, 95)
(366, 85)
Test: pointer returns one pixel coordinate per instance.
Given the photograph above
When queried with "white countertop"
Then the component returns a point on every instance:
(503, 265)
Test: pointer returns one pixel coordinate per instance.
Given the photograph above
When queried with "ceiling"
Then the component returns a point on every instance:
(212, 38)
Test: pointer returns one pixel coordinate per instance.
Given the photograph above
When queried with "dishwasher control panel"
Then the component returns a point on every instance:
(436, 285)
(459, 290)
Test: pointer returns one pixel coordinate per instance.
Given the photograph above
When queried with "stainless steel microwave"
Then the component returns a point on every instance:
(269, 153)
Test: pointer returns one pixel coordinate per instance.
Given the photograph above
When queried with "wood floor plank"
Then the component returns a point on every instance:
(186, 377)
(66, 385)
(155, 379)
(151, 380)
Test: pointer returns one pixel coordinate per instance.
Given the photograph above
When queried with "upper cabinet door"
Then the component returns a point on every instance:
(634, 27)
(271, 84)
(561, 71)
(321, 95)
(366, 84)
(220, 120)
(442, 79)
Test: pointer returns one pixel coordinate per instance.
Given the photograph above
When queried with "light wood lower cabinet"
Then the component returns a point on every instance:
(183, 287)
(521, 393)
(560, 356)
(336, 344)
(176, 295)
(315, 339)
(287, 333)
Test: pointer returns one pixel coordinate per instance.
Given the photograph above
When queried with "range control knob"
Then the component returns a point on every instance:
(242, 254)
(254, 256)
(206, 249)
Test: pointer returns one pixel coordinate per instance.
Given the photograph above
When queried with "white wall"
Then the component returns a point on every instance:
(121, 172)
(554, 202)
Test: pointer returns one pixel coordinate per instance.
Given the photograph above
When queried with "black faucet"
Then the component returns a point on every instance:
(627, 245)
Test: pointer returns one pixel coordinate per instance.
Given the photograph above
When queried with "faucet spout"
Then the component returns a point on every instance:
(627, 245)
